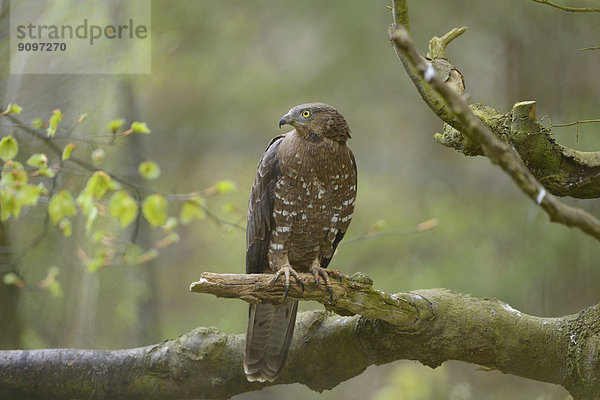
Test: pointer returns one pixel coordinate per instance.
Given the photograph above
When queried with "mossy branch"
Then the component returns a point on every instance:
(561, 170)
(354, 295)
(431, 326)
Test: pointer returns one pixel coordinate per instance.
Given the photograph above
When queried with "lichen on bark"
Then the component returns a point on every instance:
(561, 170)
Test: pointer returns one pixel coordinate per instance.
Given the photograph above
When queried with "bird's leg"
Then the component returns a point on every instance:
(287, 270)
(317, 271)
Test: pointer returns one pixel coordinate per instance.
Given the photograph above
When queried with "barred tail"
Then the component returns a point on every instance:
(268, 338)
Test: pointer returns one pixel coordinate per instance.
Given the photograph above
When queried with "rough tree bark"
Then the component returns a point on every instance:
(431, 326)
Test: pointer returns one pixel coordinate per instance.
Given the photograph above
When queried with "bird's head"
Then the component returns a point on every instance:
(314, 121)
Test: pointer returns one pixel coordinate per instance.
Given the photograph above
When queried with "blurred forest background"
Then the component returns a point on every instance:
(223, 73)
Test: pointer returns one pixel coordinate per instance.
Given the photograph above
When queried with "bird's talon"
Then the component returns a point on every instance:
(285, 295)
(299, 281)
(287, 271)
(318, 271)
(274, 280)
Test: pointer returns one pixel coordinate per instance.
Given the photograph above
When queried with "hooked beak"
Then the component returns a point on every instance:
(285, 120)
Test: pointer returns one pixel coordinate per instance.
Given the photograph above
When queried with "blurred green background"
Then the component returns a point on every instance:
(223, 73)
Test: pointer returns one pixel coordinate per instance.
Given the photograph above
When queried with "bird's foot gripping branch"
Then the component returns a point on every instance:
(353, 295)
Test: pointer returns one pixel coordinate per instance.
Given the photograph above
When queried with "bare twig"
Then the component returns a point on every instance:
(369, 235)
(585, 121)
(565, 8)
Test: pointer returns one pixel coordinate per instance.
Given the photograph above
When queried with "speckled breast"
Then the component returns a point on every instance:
(314, 198)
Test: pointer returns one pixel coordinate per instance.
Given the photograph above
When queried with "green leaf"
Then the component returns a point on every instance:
(167, 241)
(154, 209)
(66, 154)
(13, 175)
(123, 207)
(95, 264)
(139, 127)
(228, 208)
(132, 253)
(90, 218)
(98, 156)
(149, 170)
(225, 186)
(191, 210)
(86, 202)
(30, 194)
(50, 282)
(61, 206)
(9, 205)
(8, 148)
(13, 109)
(45, 171)
(170, 224)
(99, 236)
(37, 123)
(115, 125)
(55, 289)
(40, 160)
(53, 122)
(96, 187)
(13, 279)
(15, 165)
(102, 258)
(9, 278)
(37, 160)
(98, 184)
(66, 227)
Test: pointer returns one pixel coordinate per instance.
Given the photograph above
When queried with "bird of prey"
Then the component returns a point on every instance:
(300, 206)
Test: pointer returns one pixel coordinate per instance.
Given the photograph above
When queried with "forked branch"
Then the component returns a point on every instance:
(462, 118)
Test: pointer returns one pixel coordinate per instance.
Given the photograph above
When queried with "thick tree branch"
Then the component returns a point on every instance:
(473, 128)
(431, 326)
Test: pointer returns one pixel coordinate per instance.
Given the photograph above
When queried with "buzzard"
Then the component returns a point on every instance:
(300, 206)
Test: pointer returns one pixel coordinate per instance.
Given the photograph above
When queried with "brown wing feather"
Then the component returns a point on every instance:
(260, 209)
(270, 327)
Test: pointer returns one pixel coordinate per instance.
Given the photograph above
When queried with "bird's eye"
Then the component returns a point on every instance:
(306, 113)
